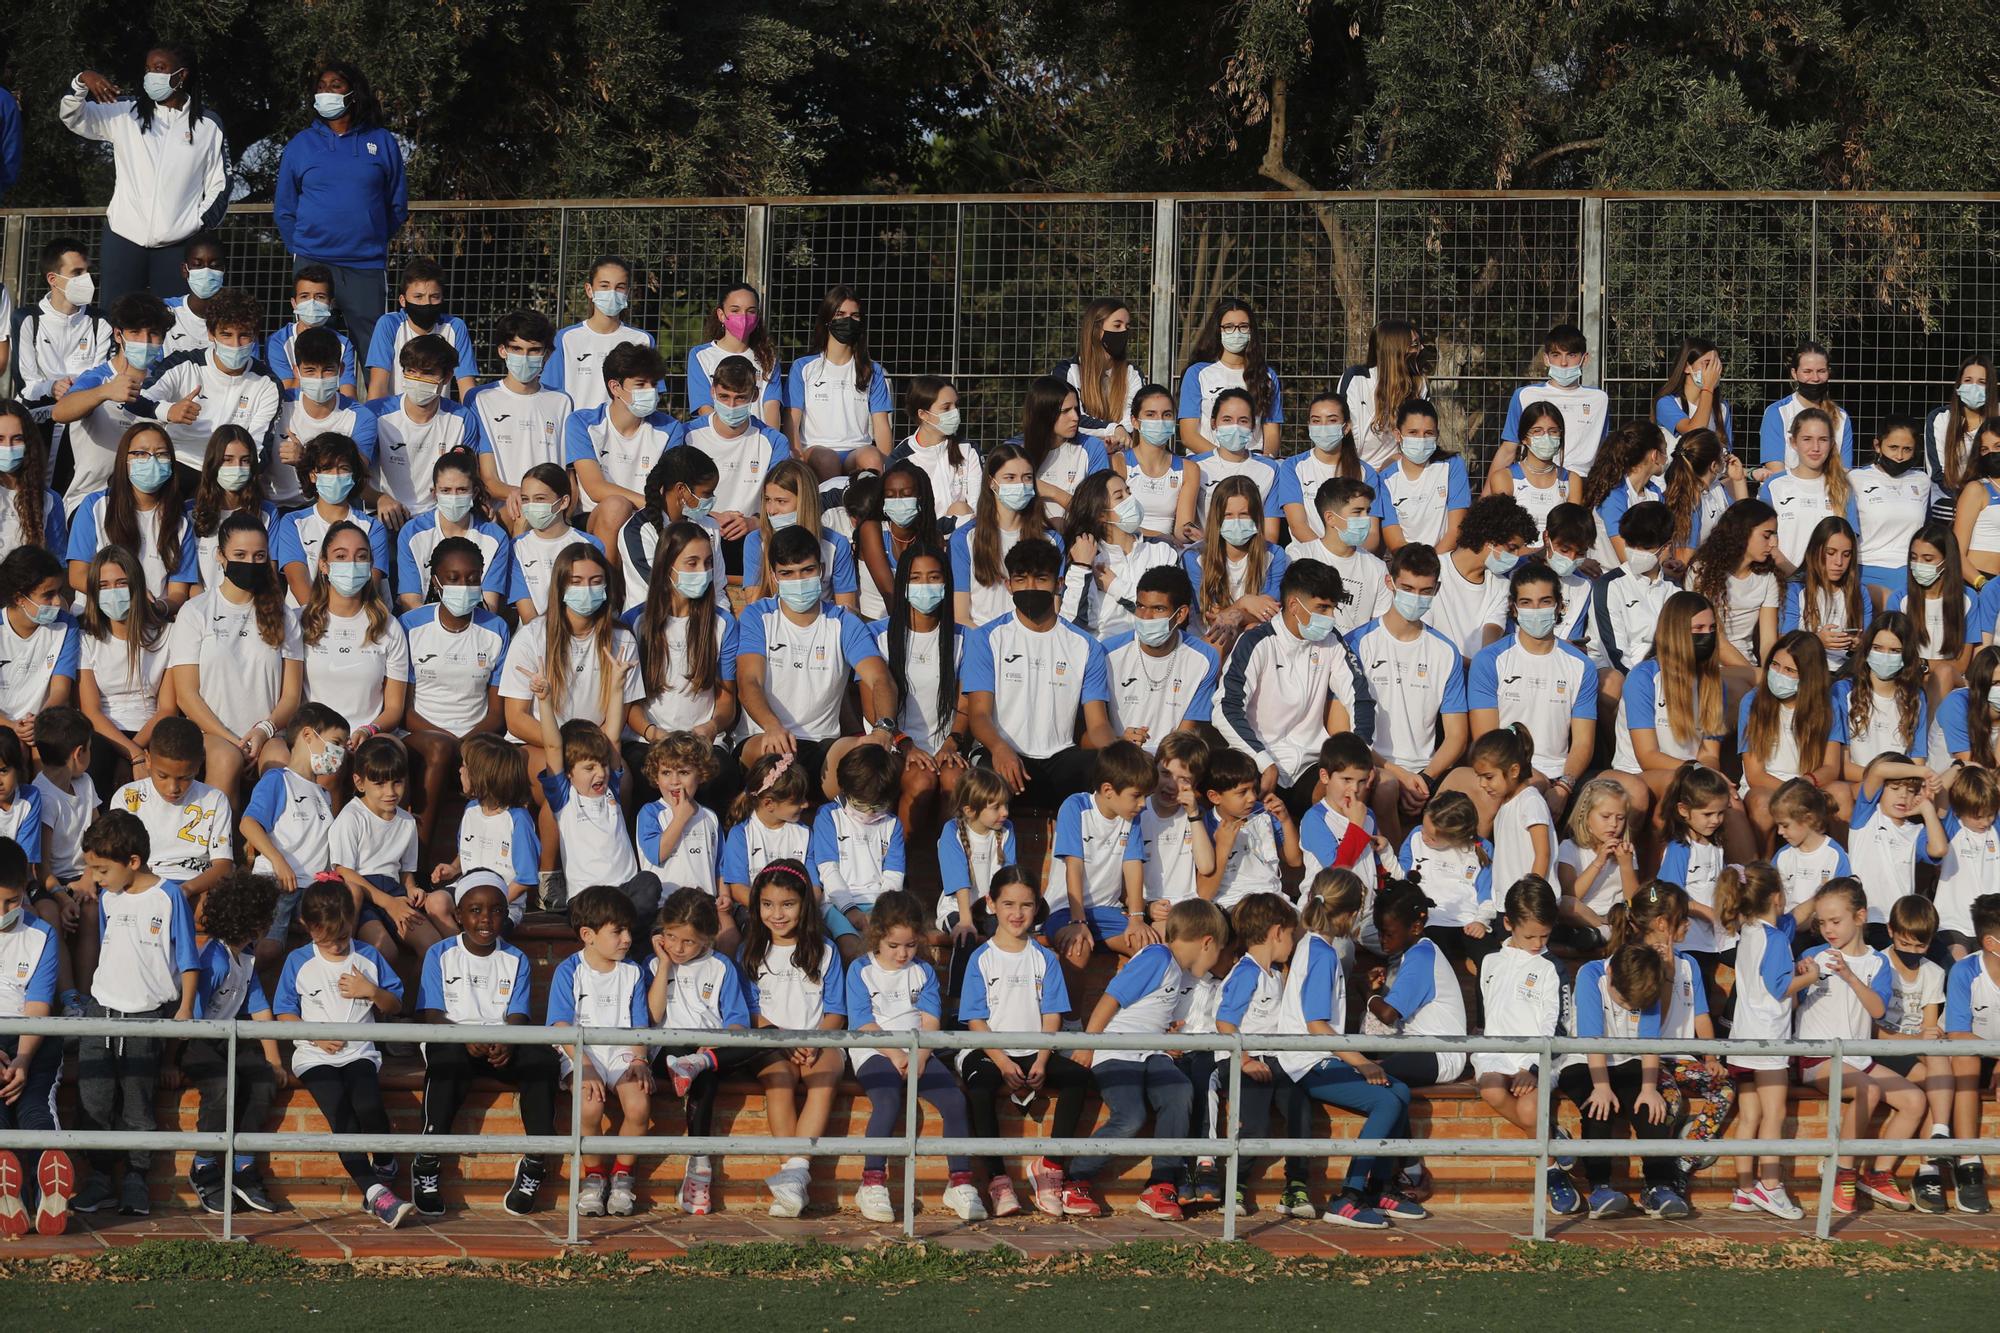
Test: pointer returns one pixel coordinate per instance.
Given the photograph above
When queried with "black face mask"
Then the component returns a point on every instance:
(1115, 342)
(1907, 958)
(1704, 647)
(1814, 393)
(1989, 465)
(845, 329)
(252, 576)
(1034, 604)
(1893, 467)
(425, 317)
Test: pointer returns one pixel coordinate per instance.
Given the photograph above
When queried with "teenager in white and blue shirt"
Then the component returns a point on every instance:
(1233, 425)
(312, 308)
(317, 408)
(837, 399)
(414, 428)
(422, 314)
(576, 359)
(1344, 512)
(1162, 678)
(1431, 494)
(613, 447)
(1809, 375)
(97, 409)
(1420, 998)
(1892, 499)
(1585, 411)
(744, 449)
(522, 421)
(736, 327)
(1531, 676)
(1229, 354)
(29, 952)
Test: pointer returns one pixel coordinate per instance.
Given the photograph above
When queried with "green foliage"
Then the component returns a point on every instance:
(200, 1260)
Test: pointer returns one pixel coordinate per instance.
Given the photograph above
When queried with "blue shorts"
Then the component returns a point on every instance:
(837, 923)
(1104, 923)
(1890, 578)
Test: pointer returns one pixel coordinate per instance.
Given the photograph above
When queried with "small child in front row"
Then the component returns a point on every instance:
(1972, 1013)
(1455, 865)
(1013, 983)
(1895, 825)
(893, 988)
(1522, 994)
(496, 835)
(290, 814)
(1145, 998)
(764, 827)
(972, 846)
(69, 804)
(238, 915)
(1252, 1003)
(1419, 996)
(696, 989)
(473, 976)
(339, 979)
(857, 841)
(601, 986)
(1620, 996)
(373, 846)
(1971, 863)
(1807, 858)
(192, 851)
(1096, 893)
(796, 983)
(680, 841)
(1523, 829)
(592, 835)
(148, 968)
(1916, 1013)
(1750, 901)
(1172, 832)
(1692, 811)
(1254, 837)
(29, 1065)
(1850, 994)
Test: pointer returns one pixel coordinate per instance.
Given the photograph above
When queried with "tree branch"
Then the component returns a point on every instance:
(1558, 150)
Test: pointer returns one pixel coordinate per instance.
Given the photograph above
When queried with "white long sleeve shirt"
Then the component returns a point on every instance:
(169, 175)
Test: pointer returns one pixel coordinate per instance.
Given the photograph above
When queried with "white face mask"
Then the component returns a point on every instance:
(1641, 562)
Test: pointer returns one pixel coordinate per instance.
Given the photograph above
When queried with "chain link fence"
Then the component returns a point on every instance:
(989, 290)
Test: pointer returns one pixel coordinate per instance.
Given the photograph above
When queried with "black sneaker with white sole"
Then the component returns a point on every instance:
(520, 1200)
(1928, 1191)
(1970, 1178)
(426, 1186)
(250, 1192)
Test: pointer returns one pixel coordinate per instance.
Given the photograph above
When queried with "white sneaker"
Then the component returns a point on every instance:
(696, 1188)
(965, 1201)
(788, 1191)
(872, 1202)
(590, 1197)
(1773, 1200)
(620, 1200)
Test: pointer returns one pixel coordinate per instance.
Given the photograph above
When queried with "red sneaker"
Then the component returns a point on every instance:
(1078, 1201)
(1161, 1201)
(1843, 1190)
(1881, 1187)
(13, 1213)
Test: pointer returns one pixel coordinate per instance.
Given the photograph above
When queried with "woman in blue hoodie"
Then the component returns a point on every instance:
(342, 196)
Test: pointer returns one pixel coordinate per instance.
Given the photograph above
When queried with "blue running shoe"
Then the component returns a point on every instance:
(1564, 1201)
(1608, 1202)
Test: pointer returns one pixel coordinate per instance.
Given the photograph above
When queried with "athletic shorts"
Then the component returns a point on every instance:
(1104, 922)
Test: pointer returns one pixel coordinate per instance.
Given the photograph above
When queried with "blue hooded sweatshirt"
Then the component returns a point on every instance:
(341, 196)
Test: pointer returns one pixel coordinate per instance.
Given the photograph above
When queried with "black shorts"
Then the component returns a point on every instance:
(1899, 1064)
(811, 757)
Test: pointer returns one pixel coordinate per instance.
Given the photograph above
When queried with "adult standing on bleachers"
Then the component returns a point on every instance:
(172, 175)
(342, 195)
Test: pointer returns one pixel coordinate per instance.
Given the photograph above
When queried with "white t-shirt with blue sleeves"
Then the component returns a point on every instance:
(582, 996)
(1301, 476)
(691, 864)
(148, 942)
(856, 862)
(1829, 1009)
(783, 995)
(1315, 992)
(1457, 880)
(1256, 859)
(836, 557)
(467, 987)
(1546, 690)
(591, 436)
(1593, 1013)
(297, 816)
(1012, 990)
(27, 966)
(1584, 411)
(385, 345)
(595, 846)
(278, 355)
(1971, 866)
(1954, 719)
(893, 1000)
(1695, 866)
(1642, 706)
(87, 536)
(1972, 998)
(1204, 381)
(576, 360)
(1158, 693)
(806, 667)
(21, 820)
(1039, 679)
(309, 990)
(419, 537)
(1424, 502)
(407, 450)
(1103, 843)
(453, 671)
(1884, 852)
(296, 538)
(703, 358)
(227, 985)
(1150, 989)
(705, 995)
(959, 874)
(503, 842)
(742, 461)
(1423, 989)
(834, 412)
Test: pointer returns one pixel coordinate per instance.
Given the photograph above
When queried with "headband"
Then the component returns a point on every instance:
(778, 770)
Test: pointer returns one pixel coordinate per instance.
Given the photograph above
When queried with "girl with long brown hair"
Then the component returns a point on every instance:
(1691, 398)
(590, 661)
(1672, 708)
(1009, 511)
(1235, 571)
(1050, 431)
(357, 655)
(229, 483)
(1950, 430)
(1882, 696)
(1813, 488)
(1699, 484)
(1826, 599)
(735, 327)
(1102, 371)
(791, 498)
(1736, 570)
(1790, 730)
(839, 403)
(1229, 353)
(141, 509)
(689, 683)
(121, 683)
(1935, 598)
(35, 515)
(1397, 370)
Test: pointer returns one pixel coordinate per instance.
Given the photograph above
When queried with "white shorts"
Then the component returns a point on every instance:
(608, 1062)
(1506, 1064)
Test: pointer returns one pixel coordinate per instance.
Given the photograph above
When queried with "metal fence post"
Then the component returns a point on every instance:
(1543, 1130)
(1160, 340)
(562, 252)
(756, 254)
(13, 272)
(229, 1143)
(1590, 300)
(910, 1113)
(1829, 1167)
(576, 1132)
(1232, 1177)
(1812, 281)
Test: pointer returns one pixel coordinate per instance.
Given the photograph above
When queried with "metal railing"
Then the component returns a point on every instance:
(988, 289)
(911, 1146)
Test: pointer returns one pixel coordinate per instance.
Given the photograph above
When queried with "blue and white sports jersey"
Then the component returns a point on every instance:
(1955, 720)
(1256, 860)
(1103, 843)
(1671, 409)
(1039, 679)
(856, 862)
(533, 563)
(582, 996)
(148, 942)
(1159, 497)
(742, 461)
(1763, 1010)
(1801, 502)
(989, 601)
(1687, 999)
(296, 538)
(958, 873)
(1275, 690)
(1695, 866)
(1150, 989)
(1203, 381)
(407, 450)
(1972, 998)
(1215, 467)
(1806, 873)
(806, 667)
(895, 1000)
(1774, 432)
(1642, 706)
(1784, 762)
(1252, 998)
(503, 842)
(1882, 731)
(1457, 880)
(834, 411)
(1829, 1009)
(278, 355)
(27, 965)
(784, 996)
(1548, 690)
(297, 816)
(1012, 990)
(1424, 502)
(703, 358)
(54, 534)
(1423, 989)
(750, 846)
(836, 555)
(21, 820)
(1415, 685)
(592, 436)
(416, 539)
(1160, 693)
(1584, 413)
(705, 995)
(87, 536)
(1931, 620)
(691, 864)
(466, 987)
(452, 672)
(309, 990)
(1611, 511)
(1591, 1011)
(1315, 992)
(1884, 852)
(576, 361)
(385, 346)
(1971, 866)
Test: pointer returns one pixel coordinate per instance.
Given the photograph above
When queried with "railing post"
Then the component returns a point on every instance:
(1590, 297)
(1812, 280)
(1232, 1175)
(1543, 1129)
(229, 1141)
(1166, 279)
(756, 255)
(910, 1132)
(13, 266)
(577, 1058)
(1829, 1167)
(562, 256)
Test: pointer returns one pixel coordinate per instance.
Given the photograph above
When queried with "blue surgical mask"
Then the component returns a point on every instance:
(1925, 572)
(312, 312)
(732, 415)
(948, 421)
(1419, 448)
(140, 355)
(1235, 438)
(1326, 435)
(1017, 495)
(319, 388)
(149, 474)
(1885, 664)
(1563, 565)
(644, 402)
(1993, 698)
(1545, 445)
(610, 303)
(459, 599)
(1412, 606)
(12, 456)
(205, 282)
(334, 487)
(692, 583)
(584, 599)
(902, 510)
(525, 367)
(115, 603)
(10, 918)
(1537, 622)
(1155, 631)
(1501, 562)
(329, 106)
(232, 358)
(1316, 628)
(1354, 531)
(1130, 515)
(349, 577)
(926, 597)
(1781, 684)
(539, 513)
(703, 506)
(233, 477)
(1156, 432)
(457, 508)
(158, 86)
(799, 594)
(1235, 340)
(1567, 376)
(1972, 395)
(779, 522)
(45, 613)
(1238, 531)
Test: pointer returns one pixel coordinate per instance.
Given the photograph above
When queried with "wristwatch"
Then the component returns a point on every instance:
(887, 724)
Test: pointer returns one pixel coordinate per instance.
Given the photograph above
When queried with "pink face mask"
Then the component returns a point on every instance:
(740, 327)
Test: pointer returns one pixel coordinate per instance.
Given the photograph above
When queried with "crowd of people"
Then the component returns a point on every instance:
(328, 656)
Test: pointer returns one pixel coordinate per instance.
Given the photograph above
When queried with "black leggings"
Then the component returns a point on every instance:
(1253, 1116)
(350, 1097)
(449, 1071)
(1627, 1081)
(701, 1092)
(984, 1087)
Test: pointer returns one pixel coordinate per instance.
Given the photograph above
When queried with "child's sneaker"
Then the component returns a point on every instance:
(695, 1189)
(1242, 1205)
(1843, 1190)
(1046, 1179)
(1929, 1190)
(1205, 1185)
(1567, 1161)
(1771, 1198)
(206, 1181)
(1881, 1187)
(872, 1199)
(1079, 1201)
(590, 1196)
(1970, 1181)
(1297, 1201)
(386, 1208)
(962, 1197)
(1564, 1201)
(620, 1200)
(520, 1200)
(685, 1069)
(426, 1186)
(94, 1195)
(384, 1168)
(788, 1191)
(1161, 1201)
(1415, 1183)
(250, 1192)
(13, 1212)
(1400, 1207)
(56, 1175)
(1662, 1202)
(1006, 1202)
(1349, 1211)
(1608, 1202)
(135, 1199)
(1695, 1162)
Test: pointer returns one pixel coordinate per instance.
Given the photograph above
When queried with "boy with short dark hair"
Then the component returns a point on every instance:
(1565, 353)
(312, 308)
(1915, 1011)
(223, 384)
(1339, 832)
(187, 822)
(1172, 834)
(69, 804)
(422, 314)
(1627, 597)
(522, 421)
(744, 448)
(1099, 896)
(29, 1064)
(1162, 677)
(1345, 507)
(600, 986)
(1254, 836)
(1971, 863)
(614, 446)
(64, 335)
(101, 403)
(414, 428)
(319, 359)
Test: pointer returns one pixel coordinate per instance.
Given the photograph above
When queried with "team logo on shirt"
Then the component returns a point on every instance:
(155, 925)
(133, 799)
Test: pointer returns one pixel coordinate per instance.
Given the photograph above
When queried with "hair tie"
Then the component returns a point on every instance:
(778, 770)
(865, 472)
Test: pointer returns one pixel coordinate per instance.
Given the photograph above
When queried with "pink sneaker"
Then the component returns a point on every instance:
(13, 1213)
(1006, 1203)
(1046, 1179)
